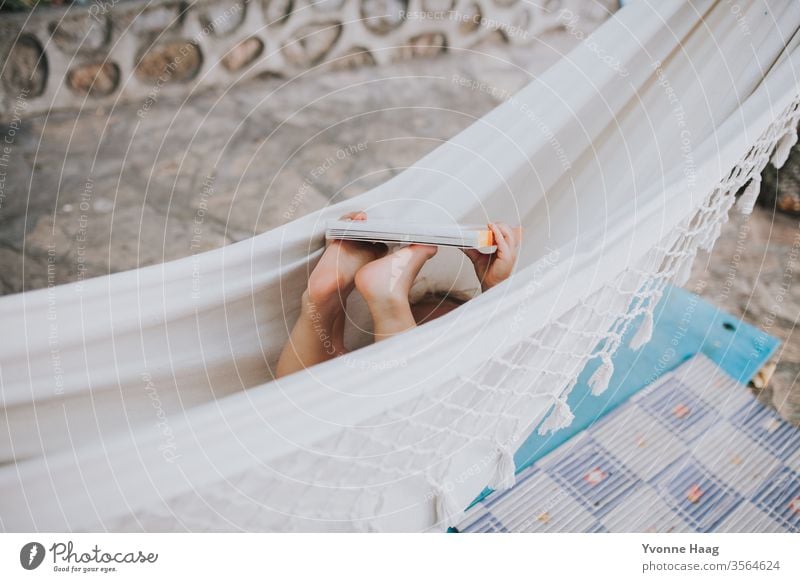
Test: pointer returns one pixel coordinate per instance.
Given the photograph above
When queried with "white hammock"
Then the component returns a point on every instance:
(124, 400)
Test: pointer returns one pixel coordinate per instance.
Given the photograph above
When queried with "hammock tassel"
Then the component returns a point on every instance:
(747, 201)
(684, 270)
(448, 511)
(602, 376)
(560, 417)
(644, 333)
(505, 473)
(708, 244)
(783, 149)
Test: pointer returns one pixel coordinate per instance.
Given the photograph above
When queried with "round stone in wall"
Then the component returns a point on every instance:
(221, 17)
(95, 79)
(311, 43)
(25, 69)
(470, 20)
(354, 58)
(520, 22)
(176, 61)
(383, 16)
(243, 54)
(80, 33)
(276, 12)
(424, 45)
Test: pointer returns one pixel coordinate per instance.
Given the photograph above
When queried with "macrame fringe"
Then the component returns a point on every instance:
(684, 270)
(505, 473)
(602, 376)
(712, 236)
(560, 417)
(784, 148)
(448, 511)
(644, 333)
(748, 198)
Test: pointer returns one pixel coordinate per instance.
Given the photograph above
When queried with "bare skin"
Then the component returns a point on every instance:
(385, 283)
(495, 268)
(318, 334)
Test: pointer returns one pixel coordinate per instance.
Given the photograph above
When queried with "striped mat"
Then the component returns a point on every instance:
(694, 452)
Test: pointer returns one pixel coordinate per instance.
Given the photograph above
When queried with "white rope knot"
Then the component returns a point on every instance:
(713, 234)
(505, 472)
(448, 511)
(645, 332)
(684, 270)
(748, 198)
(602, 376)
(784, 148)
(560, 417)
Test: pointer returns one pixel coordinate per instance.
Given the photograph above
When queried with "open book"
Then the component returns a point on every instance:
(391, 231)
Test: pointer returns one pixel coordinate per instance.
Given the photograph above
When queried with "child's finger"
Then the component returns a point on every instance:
(500, 240)
(508, 233)
(513, 235)
(517, 230)
(357, 215)
(472, 254)
(511, 240)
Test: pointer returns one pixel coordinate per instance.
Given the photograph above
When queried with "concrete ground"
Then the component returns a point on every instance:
(753, 274)
(110, 190)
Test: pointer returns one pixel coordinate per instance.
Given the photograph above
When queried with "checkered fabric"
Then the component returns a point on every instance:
(695, 452)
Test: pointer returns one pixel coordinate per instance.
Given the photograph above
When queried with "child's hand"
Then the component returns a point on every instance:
(496, 268)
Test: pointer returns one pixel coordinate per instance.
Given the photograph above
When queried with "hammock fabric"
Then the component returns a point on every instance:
(144, 400)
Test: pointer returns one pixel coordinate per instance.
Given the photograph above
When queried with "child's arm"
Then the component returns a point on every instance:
(495, 268)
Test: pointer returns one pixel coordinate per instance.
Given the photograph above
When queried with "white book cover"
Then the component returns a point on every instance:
(393, 232)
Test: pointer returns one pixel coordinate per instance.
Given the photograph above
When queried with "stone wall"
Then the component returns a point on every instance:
(62, 58)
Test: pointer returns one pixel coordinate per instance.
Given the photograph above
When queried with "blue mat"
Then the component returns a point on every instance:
(693, 452)
(685, 325)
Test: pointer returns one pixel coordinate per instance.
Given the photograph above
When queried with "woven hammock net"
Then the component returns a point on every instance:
(144, 401)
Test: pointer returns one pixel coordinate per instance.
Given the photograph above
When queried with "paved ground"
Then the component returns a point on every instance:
(111, 190)
(754, 273)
